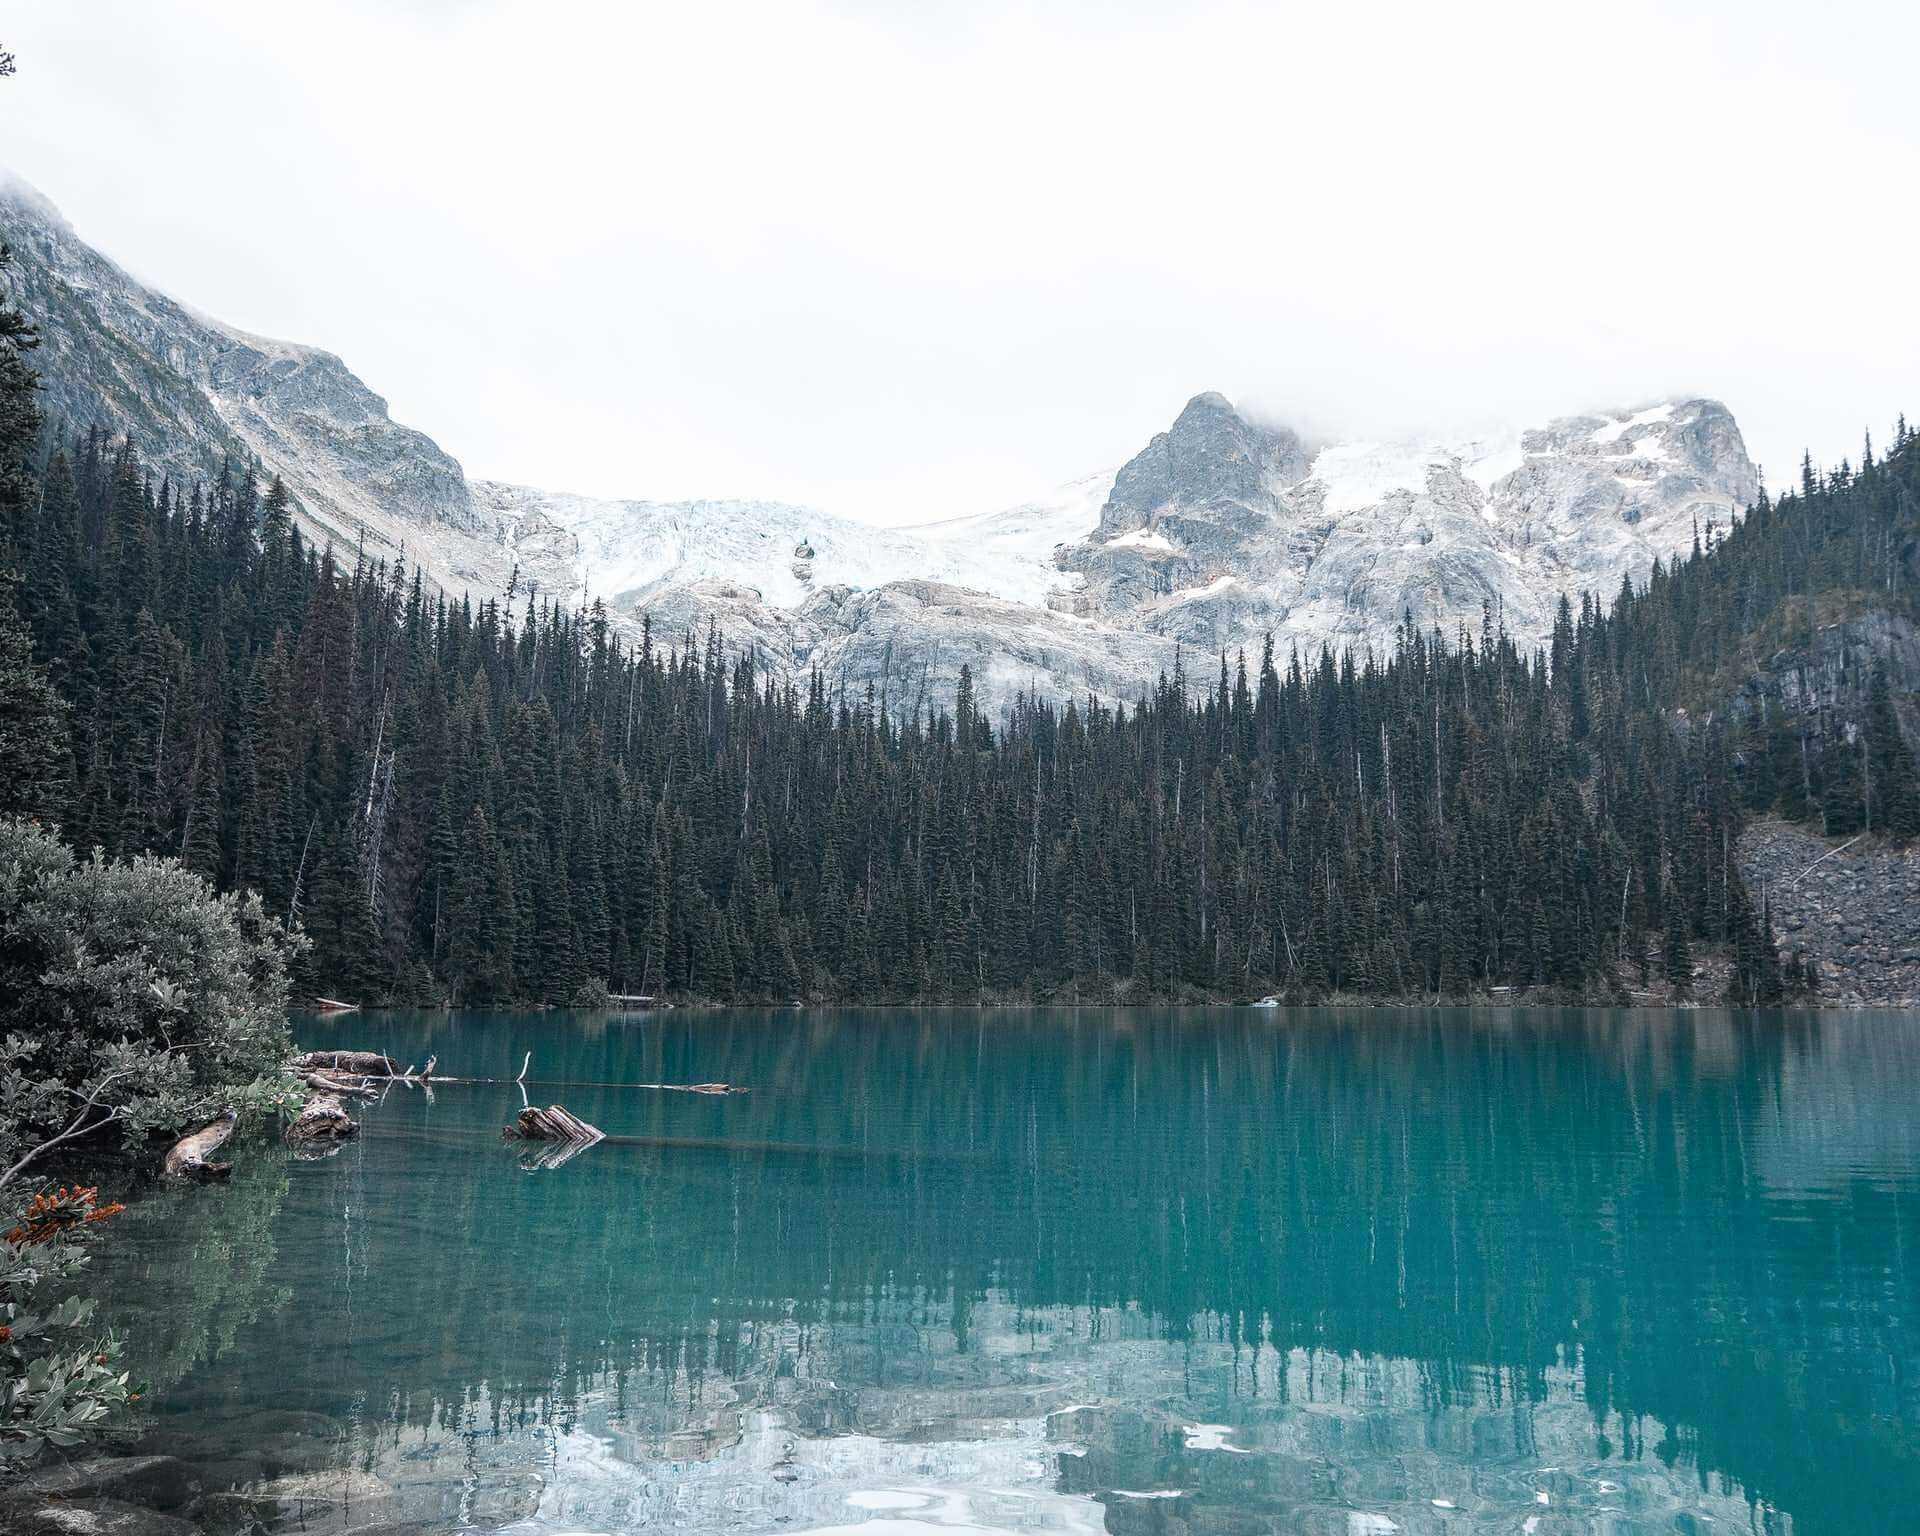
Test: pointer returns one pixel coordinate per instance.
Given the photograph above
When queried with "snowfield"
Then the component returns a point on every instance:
(625, 552)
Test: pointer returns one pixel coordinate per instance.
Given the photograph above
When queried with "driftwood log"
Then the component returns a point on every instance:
(359, 1063)
(189, 1157)
(554, 1124)
(322, 1118)
(339, 1083)
(561, 1136)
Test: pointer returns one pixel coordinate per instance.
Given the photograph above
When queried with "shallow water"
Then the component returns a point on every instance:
(1330, 1271)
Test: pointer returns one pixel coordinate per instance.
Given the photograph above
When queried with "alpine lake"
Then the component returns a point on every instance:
(1347, 1272)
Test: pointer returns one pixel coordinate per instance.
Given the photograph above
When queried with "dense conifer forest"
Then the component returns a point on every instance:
(494, 802)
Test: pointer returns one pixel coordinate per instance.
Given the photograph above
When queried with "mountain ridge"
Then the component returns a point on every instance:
(1222, 530)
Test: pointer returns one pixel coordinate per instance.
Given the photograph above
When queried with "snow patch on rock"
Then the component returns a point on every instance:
(1363, 474)
(1616, 427)
(1141, 538)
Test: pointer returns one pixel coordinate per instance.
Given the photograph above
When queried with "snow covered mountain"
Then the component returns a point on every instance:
(1222, 529)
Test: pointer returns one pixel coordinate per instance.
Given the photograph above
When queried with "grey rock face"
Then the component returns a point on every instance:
(1831, 668)
(1190, 516)
(1212, 463)
(909, 639)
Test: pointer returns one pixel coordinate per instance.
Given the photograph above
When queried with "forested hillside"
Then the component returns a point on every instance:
(485, 804)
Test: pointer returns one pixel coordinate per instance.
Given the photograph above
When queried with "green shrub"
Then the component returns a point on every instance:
(132, 998)
(130, 994)
(60, 1379)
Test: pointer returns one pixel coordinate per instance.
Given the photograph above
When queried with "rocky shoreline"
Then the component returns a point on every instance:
(267, 1472)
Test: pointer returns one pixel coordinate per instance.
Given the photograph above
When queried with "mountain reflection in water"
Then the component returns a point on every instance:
(1326, 1270)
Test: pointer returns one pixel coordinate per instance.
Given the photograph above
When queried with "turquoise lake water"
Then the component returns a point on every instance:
(1344, 1272)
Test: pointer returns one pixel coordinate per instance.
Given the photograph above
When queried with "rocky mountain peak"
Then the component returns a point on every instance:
(1212, 459)
(1223, 529)
(29, 201)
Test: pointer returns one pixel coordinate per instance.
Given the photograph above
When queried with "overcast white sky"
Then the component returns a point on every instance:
(911, 261)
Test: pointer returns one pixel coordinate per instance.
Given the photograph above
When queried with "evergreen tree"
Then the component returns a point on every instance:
(1677, 958)
(36, 764)
(1892, 784)
(52, 564)
(1843, 808)
(19, 419)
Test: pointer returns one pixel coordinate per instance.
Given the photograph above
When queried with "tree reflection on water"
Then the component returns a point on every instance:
(1394, 1256)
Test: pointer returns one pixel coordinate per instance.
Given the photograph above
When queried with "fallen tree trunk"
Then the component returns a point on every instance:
(361, 1063)
(188, 1158)
(334, 1082)
(554, 1124)
(322, 1118)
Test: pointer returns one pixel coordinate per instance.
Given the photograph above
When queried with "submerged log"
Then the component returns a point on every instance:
(322, 1118)
(337, 1083)
(360, 1063)
(554, 1124)
(188, 1158)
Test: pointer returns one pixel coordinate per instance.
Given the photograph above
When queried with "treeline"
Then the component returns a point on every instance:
(1845, 546)
(460, 801)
